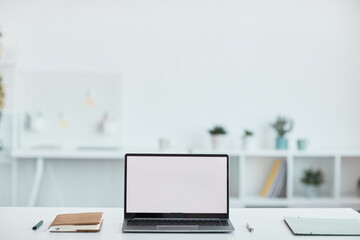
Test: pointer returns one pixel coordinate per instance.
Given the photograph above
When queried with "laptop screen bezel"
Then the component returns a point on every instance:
(170, 215)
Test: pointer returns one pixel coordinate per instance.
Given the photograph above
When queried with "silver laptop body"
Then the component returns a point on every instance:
(176, 193)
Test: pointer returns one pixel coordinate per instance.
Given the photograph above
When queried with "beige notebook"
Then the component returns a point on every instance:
(77, 222)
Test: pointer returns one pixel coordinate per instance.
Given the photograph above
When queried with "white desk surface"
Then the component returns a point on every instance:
(17, 222)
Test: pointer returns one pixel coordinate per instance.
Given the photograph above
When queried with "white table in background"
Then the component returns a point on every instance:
(41, 156)
(16, 224)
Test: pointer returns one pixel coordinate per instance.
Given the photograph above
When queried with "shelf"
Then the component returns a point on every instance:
(263, 202)
(249, 172)
(341, 170)
(350, 200)
(68, 154)
(314, 201)
(295, 202)
(257, 173)
(326, 164)
(315, 154)
(267, 153)
(230, 152)
(282, 153)
(350, 154)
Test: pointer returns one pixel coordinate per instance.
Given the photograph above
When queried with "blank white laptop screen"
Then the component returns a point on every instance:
(176, 184)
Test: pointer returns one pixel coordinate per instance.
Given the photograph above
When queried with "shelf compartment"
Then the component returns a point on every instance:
(264, 202)
(257, 172)
(325, 164)
(234, 177)
(297, 202)
(350, 175)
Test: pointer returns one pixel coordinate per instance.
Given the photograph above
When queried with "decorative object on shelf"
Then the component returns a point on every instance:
(34, 123)
(64, 121)
(107, 125)
(302, 144)
(282, 126)
(217, 136)
(248, 140)
(312, 180)
(2, 100)
(38, 125)
(90, 99)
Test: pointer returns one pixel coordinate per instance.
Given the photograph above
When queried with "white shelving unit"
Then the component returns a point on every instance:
(249, 172)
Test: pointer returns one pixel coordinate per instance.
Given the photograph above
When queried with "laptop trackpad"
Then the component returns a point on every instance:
(179, 227)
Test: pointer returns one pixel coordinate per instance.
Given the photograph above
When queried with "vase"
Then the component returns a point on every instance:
(217, 141)
(312, 191)
(302, 144)
(281, 143)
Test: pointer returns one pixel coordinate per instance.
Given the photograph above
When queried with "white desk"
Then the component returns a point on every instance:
(16, 224)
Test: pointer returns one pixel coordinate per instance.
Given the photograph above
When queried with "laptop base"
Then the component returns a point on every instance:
(177, 228)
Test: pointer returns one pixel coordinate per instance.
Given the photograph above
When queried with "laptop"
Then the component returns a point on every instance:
(176, 193)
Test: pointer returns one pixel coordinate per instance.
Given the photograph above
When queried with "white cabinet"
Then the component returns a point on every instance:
(249, 172)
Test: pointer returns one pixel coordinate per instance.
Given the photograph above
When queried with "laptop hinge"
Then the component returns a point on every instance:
(176, 215)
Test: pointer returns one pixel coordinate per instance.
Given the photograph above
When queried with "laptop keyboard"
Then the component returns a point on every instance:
(154, 222)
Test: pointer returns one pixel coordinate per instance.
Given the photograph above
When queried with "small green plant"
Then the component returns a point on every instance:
(313, 177)
(217, 130)
(283, 125)
(248, 133)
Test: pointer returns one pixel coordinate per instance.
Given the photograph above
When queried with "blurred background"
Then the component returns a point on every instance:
(274, 84)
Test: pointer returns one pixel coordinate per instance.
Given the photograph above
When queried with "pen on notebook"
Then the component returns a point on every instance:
(251, 229)
(38, 225)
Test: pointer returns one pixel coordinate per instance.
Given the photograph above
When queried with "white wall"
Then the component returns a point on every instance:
(190, 64)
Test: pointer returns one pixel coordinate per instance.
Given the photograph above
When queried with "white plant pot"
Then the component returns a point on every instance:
(248, 143)
(312, 191)
(218, 141)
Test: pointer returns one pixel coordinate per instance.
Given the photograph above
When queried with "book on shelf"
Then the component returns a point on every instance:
(276, 181)
(279, 183)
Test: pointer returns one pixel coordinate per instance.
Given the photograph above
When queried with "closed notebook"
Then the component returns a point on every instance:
(324, 226)
(77, 222)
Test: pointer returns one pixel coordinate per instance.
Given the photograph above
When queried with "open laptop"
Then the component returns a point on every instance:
(176, 193)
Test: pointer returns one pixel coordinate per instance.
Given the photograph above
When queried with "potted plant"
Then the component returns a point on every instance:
(247, 140)
(282, 126)
(217, 136)
(312, 180)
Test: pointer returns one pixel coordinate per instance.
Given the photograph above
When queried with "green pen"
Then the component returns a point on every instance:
(38, 225)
